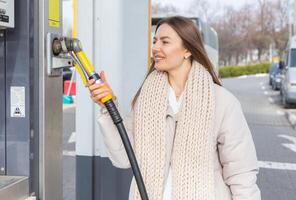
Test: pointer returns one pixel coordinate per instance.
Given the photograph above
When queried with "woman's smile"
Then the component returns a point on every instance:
(159, 59)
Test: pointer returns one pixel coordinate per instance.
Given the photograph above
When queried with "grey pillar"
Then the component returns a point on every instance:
(114, 35)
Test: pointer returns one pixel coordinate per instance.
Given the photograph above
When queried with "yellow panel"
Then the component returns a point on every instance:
(74, 31)
(54, 13)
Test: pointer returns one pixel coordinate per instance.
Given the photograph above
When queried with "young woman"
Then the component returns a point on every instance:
(189, 134)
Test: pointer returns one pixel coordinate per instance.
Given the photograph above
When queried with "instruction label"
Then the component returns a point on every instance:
(54, 13)
(3, 16)
(17, 102)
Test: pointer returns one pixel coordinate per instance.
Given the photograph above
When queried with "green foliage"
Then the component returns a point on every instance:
(233, 71)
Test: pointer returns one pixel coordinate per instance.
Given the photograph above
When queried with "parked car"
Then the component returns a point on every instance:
(275, 74)
(288, 86)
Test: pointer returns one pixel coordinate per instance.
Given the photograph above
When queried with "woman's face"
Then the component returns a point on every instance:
(168, 51)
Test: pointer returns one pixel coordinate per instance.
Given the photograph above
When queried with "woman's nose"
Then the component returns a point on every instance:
(155, 47)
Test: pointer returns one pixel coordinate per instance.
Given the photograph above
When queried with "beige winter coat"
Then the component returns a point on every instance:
(236, 163)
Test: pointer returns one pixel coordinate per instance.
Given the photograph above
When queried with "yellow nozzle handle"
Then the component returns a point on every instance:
(107, 97)
(85, 63)
(90, 71)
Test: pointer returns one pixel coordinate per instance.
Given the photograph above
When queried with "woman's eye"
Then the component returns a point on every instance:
(165, 42)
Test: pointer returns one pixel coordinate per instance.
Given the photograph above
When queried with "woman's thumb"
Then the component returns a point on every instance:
(103, 77)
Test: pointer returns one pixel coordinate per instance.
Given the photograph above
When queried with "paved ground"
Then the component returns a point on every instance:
(69, 152)
(274, 137)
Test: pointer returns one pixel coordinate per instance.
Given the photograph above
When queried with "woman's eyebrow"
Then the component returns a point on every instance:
(165, 37)
(162, 38)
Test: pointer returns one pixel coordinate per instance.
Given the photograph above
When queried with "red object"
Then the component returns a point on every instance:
(72, 89)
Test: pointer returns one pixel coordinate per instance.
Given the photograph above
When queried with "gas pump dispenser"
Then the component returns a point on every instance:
(11, 186)
(30, 101)
(33, 52)
(72, 46)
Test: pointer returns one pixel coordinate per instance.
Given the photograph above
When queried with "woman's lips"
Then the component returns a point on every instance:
(158, 59)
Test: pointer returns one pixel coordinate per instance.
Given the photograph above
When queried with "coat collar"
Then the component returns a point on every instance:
(170, 113)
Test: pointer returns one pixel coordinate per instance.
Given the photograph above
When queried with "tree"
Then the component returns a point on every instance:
(252, 27)
(243, 31)
(159, 9)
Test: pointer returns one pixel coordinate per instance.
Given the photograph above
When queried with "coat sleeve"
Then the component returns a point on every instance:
(238, 155)
(115, 148)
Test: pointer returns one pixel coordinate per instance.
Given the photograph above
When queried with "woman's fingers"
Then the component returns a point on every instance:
(100, 96)
(95, 86)
(103, 78)
(90, 82)
(100, 90)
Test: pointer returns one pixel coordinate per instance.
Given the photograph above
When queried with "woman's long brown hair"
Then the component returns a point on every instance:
(192, 41)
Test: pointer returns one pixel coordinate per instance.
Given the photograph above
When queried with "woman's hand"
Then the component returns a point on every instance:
(97, 91)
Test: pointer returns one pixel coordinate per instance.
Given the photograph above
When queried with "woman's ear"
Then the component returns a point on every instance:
(187, 54)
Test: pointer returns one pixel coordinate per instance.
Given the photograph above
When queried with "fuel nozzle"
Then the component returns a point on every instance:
(73, 47)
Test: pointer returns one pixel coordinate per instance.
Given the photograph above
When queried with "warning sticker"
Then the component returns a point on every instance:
(17, 102)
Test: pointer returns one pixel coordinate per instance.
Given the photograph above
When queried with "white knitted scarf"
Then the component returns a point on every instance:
(192, 156)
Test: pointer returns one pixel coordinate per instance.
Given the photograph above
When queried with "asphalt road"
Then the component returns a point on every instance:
(274, 138)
